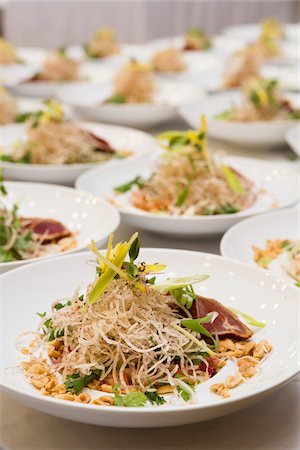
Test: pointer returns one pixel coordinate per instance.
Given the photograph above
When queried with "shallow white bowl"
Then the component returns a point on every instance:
(45, 89)
(141, 144)
(87, 100)
(238, 241)
(279, 182)
(237, 285)
(293, 138)
(83, 213)
(249, 134)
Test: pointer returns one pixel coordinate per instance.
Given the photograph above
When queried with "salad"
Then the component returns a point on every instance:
(262, 101)
(54, 139)
(128, 340)
(196, 39)
(133, 84)
(58, 66)
(104, 43)
(169, 60)
(24, 238)
(188, 181)
(285, 249)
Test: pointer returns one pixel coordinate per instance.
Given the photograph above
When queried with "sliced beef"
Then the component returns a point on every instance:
(101, 144)
(47, 229)
(226, 324)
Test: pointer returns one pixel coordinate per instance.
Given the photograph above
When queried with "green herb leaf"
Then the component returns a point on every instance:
(117, 99)
(138, 181)
(228, 208)
(134, 249)
(74, 383)
(225, 115)
(131, 269)
(59, 306)
(133, 399)
(182, 196)
(154, 398)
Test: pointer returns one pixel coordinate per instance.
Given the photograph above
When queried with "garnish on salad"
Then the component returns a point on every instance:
(263, 101)
(138, 341)
(24, 238)
(188, 181)
(133, 84)
(196, 39)
(54, 139)
(104, 43)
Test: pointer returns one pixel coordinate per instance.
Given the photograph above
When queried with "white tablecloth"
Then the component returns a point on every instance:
(273, 423)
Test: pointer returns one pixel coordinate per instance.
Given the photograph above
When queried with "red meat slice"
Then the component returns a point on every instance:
(225, 325)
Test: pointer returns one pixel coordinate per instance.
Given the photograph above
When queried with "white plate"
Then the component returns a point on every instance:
(279, 182)
(237, 285)
(250, 32)
(238, 241)
(45, 89)
(90, 217)
(243, 133)
(141, 144)
(13, 75)
(87, 101)
(293, 139)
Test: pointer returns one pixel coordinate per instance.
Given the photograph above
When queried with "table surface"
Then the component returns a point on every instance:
(273, 423)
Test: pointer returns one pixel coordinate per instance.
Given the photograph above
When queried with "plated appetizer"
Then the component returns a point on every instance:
(263, 101)
(23, 238)
(133, 84)
(104, 43)
(270, 242)
(53, 139)
(137, 341)
(196, 40)
(188, 181)
(169, 60)
(58, 66)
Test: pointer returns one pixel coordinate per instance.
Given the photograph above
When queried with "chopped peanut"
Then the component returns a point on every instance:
(104, 400)
(107, 388)
(165, 389)
(220, 389)
(225, 345)
(233, 381)
(84, 397)
(249, 348)
(53, 353)
(68, 396)
(247, 366)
